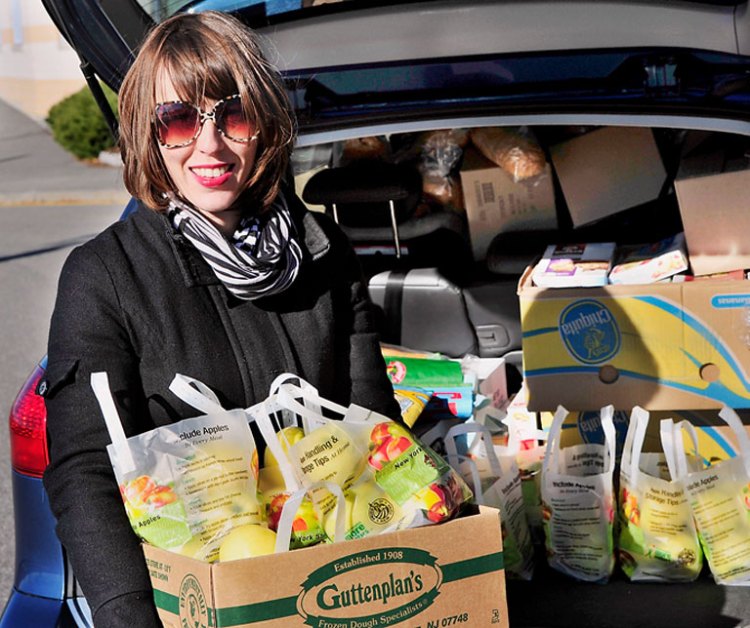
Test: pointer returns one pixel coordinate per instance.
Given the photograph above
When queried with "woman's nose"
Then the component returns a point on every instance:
(209, 139)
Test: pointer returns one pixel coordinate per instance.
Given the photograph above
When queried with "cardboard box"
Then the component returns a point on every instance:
(663, 346)
(715, 439)
(712, 193)
(495, 203)
(608, 170)
(448, 574)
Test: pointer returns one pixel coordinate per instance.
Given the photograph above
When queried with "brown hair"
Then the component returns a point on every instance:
(206, 55)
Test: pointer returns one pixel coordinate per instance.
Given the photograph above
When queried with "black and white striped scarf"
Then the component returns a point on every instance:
(261, 258)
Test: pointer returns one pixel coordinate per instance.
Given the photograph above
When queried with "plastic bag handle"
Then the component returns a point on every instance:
(669, 434)
(674, 449)
(485, 437)
(606, 415)
(551, 455)
(732, 419)
(291, 506)
(286, 397)
(311, 394)
(631, 449)
(261, 414)
(103, 394)
(196, 394)
(666, 433)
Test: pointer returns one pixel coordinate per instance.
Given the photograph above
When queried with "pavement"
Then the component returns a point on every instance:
(36, 170)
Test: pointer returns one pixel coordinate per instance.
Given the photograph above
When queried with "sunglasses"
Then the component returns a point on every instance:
(179, 124)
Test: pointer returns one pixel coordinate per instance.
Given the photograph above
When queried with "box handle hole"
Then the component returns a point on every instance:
(709, 372)
(608, 374)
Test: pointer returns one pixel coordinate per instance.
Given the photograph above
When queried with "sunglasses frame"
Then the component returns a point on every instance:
(202, 117)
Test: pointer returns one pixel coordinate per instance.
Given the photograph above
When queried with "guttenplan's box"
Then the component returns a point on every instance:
(441, 575)
(661, 346)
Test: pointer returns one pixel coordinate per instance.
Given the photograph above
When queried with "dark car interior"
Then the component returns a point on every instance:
(416, 251)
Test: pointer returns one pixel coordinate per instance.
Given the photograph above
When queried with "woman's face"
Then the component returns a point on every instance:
(211, 172)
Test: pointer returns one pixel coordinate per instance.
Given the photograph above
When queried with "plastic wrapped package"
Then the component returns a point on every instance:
(513, 149)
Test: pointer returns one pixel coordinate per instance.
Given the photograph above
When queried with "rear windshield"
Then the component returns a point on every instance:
(272, 10)
(258, 11)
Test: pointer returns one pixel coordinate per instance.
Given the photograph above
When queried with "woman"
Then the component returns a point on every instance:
(221, 274)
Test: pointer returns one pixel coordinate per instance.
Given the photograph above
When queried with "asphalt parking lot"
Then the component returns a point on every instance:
(49, 202)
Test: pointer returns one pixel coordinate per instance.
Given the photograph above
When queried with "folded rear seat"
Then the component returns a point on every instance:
(422, 309)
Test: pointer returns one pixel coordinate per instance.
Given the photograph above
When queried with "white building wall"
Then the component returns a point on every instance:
(37, 67)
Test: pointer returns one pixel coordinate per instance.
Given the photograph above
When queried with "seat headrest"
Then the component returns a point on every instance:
(362, 182)
(361, 192)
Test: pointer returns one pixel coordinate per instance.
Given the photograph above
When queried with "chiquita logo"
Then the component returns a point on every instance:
(589, 331)
(378, 587)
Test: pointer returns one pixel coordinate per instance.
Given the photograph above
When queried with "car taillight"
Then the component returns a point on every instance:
(28, 433)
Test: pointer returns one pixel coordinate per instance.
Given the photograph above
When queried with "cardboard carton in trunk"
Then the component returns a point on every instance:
(712, 193)
(667, 346)
(448, 574)
(608, 170)
(495, 203)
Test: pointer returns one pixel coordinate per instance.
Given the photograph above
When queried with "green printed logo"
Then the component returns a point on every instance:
(372, 588)
(193, 607)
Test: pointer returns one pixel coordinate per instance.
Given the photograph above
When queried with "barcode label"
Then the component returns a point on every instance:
(488, 193)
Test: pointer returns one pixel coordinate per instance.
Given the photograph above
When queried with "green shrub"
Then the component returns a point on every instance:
(78, 125)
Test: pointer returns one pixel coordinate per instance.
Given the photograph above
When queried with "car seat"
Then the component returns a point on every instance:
(375, 203)
(423, 309)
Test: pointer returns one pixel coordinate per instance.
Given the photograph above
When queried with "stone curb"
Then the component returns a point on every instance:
(66, 197)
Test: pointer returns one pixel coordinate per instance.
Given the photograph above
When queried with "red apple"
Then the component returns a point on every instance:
(161, 496)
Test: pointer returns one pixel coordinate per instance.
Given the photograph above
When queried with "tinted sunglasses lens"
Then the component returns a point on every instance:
(176, 123)
(232, 121)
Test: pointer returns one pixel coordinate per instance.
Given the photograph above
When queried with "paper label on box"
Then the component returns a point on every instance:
(495, 203)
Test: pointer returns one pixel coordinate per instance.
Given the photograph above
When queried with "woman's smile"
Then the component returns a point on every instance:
(212, 176)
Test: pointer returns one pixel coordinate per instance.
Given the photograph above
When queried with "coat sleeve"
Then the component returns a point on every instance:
(88, 333)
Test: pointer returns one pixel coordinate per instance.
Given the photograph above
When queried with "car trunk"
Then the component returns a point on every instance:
(453, 289)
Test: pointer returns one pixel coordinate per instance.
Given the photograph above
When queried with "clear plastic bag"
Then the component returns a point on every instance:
(657, 540)
(513, 149)
(719, 497)
(578, 502)
(390, 480)
(185, 485)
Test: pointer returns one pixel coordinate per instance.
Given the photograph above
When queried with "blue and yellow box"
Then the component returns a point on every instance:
(661, 346)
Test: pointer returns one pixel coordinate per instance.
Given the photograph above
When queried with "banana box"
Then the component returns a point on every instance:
(715, 440)
(659, 346)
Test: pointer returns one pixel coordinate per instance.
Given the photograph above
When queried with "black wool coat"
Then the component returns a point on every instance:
(140, 303)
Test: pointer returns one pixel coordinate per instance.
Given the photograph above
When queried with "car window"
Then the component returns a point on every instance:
(162, 9)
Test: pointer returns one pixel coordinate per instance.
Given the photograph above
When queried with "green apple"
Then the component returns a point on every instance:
(329, 520)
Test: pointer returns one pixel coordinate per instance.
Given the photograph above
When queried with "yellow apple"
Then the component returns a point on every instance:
(198, 549)
(247, 541)
(287, 437)
(329, 454)
(329, 520)
(374, 510)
